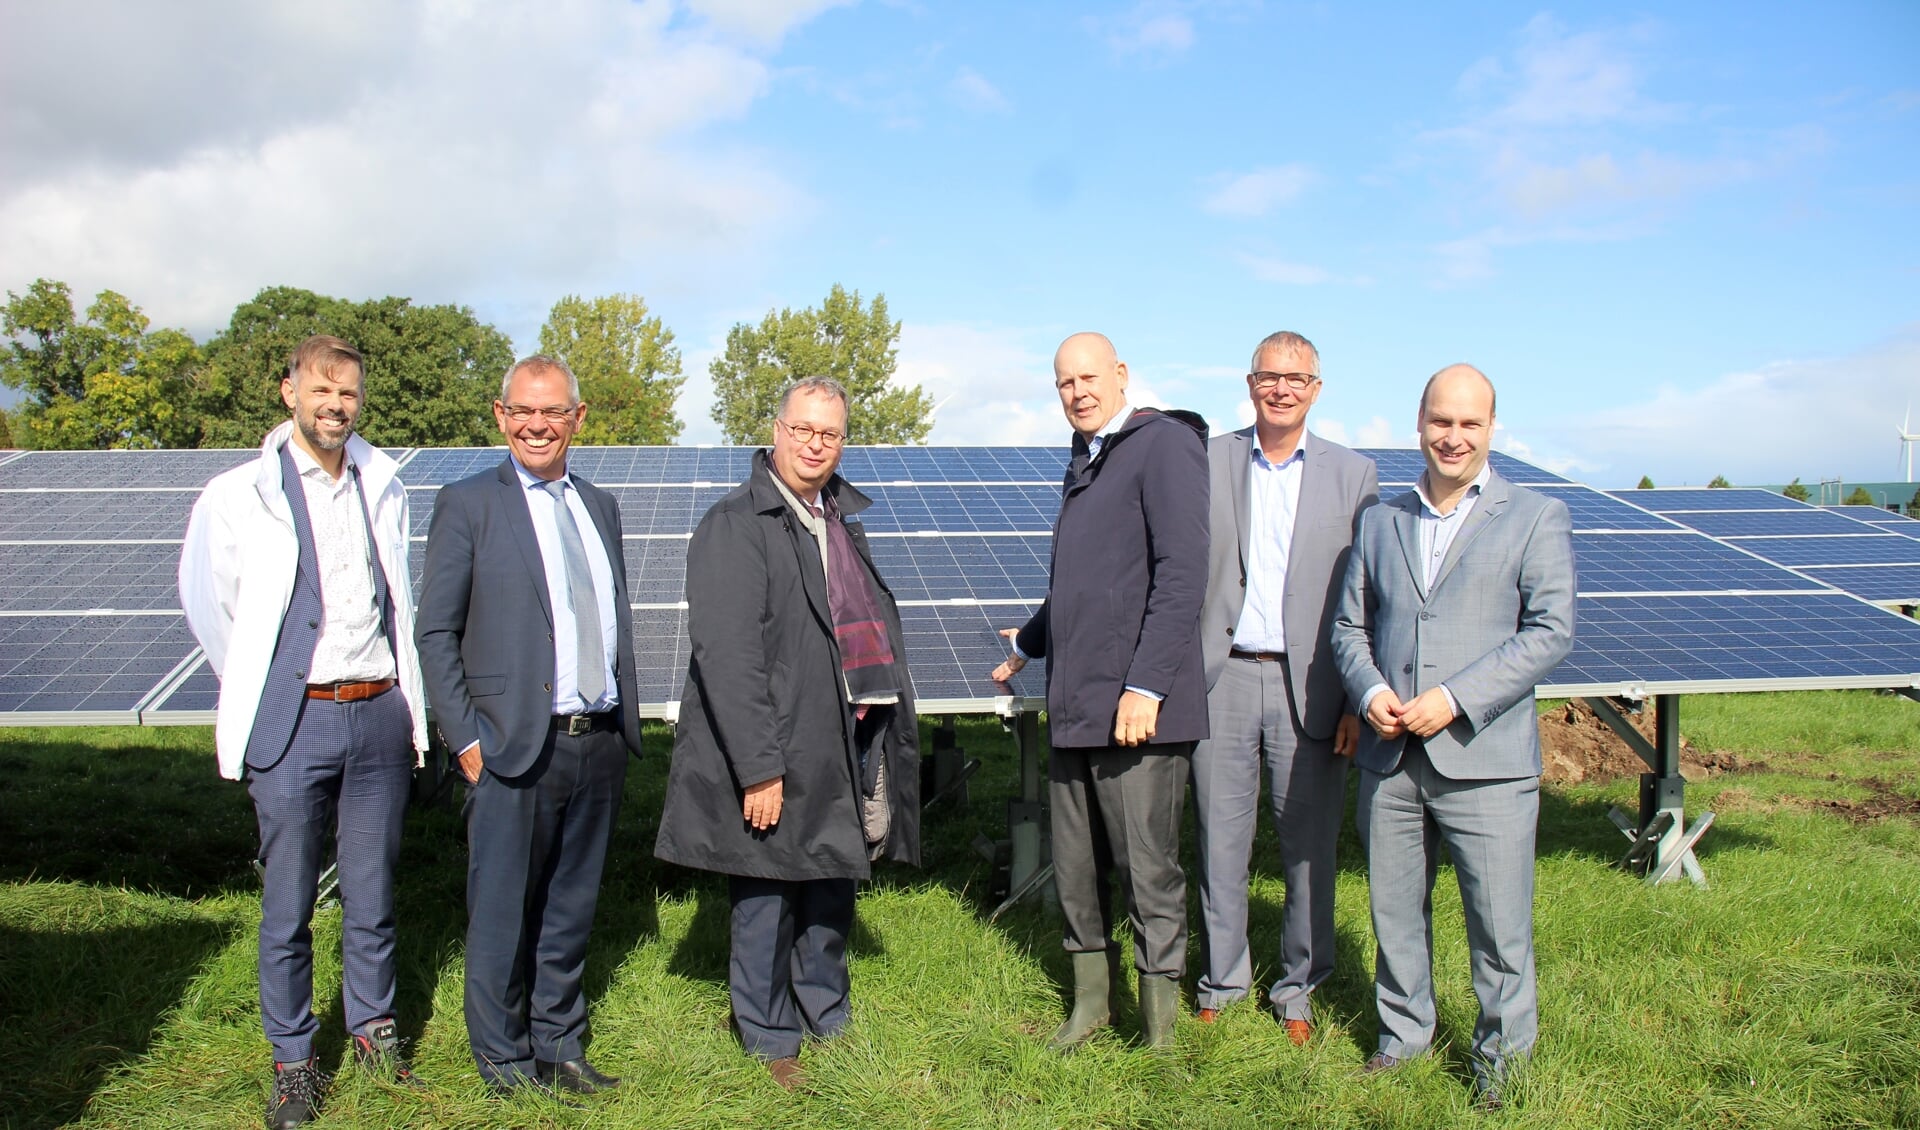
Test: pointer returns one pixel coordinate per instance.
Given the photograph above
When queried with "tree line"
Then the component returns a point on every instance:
(1798, 491)
(104, 378)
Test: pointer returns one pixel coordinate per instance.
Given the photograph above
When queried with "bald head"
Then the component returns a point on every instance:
(1456, 430)
(1091, 380)
(1459, 377)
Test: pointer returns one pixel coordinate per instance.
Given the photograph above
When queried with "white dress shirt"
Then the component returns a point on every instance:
(1273, 499)
(546, 530)
(353, 646)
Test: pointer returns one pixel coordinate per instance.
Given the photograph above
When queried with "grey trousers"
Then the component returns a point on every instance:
(1116, 814)
(1252, 717)
(1488, 829)
(350, 764)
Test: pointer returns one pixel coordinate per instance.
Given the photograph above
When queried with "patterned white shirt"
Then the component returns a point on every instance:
(353, 644)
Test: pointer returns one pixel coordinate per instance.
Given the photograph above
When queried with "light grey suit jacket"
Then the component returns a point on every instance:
(1335, 486)
(1498, 619)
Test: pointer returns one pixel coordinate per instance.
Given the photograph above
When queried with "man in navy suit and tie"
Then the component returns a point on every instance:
(1459, 600)
(294, 580)
(527, 649)
(1285, 503)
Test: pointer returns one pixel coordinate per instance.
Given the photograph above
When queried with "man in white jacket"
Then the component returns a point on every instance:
(294, 580)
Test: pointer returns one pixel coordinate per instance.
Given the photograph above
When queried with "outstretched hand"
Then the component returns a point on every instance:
(1013, 664)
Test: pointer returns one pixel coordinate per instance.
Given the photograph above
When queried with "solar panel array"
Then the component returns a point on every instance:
(1679, 590)
(1857, 549)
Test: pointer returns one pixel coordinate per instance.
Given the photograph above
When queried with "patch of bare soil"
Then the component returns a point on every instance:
(1885, 801)
(1576, 746)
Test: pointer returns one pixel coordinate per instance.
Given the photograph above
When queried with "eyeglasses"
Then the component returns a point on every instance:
(1267, 382)
(804, 434)
(521, 413)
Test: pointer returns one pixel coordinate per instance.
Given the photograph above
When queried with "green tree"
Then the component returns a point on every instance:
(1796, 491)
(628, 367)
(1913, 506)
(854, 345)
(1859, 497)
(1646, 482)
(432, 371)
(6, 429)
(1719, 481)
(98, 383)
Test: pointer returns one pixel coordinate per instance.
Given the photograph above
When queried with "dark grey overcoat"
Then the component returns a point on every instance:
(764, 699)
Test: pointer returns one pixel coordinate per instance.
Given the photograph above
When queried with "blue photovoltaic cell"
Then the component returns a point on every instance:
(1693, 639)
(612, 466)
(659, 653)
(1397, 466)
(951, 649)
(73, 515)
(973, 568)
(1867, 513)
(199, 691)
(1884, 584)
(437, 467)
(866, 465)
(75, 578)
(1679, 562)
(1595, 510)
(656, 570)
(962, 510)
(121, 468)
(1723, 498)
(665, 510)
(86, 663)
(1869, 549)
(1805, 521)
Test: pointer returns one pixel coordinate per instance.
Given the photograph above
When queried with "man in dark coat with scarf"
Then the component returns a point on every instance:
(796, 763)
(1126, 686)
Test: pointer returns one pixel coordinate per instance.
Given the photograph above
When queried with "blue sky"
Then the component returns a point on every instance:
(1684, 240)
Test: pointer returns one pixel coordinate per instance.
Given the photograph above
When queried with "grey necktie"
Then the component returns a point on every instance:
(580, 595)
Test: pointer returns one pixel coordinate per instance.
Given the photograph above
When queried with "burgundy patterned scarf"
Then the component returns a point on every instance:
(859, 627)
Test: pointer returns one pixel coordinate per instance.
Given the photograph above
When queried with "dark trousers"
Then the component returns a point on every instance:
(350, 764)
(1116, 814)
(788, 971)
(536, 846)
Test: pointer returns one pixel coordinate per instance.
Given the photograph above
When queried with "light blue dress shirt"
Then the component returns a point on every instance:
(546, 530)
(1273, 499)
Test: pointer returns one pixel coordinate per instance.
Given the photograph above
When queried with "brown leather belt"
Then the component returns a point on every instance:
(1260, 656)
(349, 692)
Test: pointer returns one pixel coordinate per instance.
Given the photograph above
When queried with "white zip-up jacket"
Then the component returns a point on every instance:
(236, 580)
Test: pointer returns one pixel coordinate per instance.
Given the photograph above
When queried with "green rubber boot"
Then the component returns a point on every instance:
(1092, 1007)
(1159, 1004)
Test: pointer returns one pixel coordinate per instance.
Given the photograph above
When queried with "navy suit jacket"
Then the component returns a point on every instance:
(485, 623)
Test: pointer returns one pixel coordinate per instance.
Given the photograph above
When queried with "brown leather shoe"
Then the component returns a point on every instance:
(1299, 1031)
(1207, 1015)
(787, 1073)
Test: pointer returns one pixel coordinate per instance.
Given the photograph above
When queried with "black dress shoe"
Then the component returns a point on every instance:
(295, 1100)
(528, 1085)
(576, 1075)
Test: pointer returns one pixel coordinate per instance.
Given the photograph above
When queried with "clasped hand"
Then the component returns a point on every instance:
(1425, 716)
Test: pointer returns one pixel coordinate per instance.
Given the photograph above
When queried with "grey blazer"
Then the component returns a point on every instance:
(1335, 486)
(1497, 622)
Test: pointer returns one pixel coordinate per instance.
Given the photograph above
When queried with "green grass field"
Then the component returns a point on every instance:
(1787, 995)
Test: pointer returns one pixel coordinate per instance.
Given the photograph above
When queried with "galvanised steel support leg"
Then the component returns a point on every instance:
(1027, 869)
(1662, 843)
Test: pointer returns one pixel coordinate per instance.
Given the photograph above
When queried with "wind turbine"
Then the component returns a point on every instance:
(1907, 440)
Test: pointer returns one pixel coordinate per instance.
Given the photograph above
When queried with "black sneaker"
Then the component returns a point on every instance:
(295, 1101)
(378, 1049)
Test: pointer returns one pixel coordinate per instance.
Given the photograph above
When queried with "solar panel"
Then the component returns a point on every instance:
(951, 649)
(1671, 645)
(86, 668)
(1866, 549)
(958, 567)
(53, 469)
(1668, 500)
(192, 699)
(1805, 521)
(102, 515)
(131, 576)
(1398, 466)
(1611, 564)
(1867, 513)
(1882, 584)
(1595, 510)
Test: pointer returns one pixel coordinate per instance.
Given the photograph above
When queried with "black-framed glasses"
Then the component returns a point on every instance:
(1267, 382)
(559, 417)
(804, 434)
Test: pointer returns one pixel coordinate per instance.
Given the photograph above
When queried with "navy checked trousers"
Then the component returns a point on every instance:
(351, 760)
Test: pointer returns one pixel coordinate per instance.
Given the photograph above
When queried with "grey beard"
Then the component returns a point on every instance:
(320, 443)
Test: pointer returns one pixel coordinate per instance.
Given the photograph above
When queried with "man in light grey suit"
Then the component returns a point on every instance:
(1458, 602)
(1273, 691)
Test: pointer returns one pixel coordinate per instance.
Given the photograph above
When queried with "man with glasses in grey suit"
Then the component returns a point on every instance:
(1458, 602)
(1284, 506)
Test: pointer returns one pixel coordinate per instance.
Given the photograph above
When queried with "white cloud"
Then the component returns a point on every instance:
(1755, 426)
(992, 385)
(765, 22)
(1567, 78)
(1377, 432)
(1257, 193)
(1289, 274)
(972, 91)
(1154, 29)
(439, 150)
